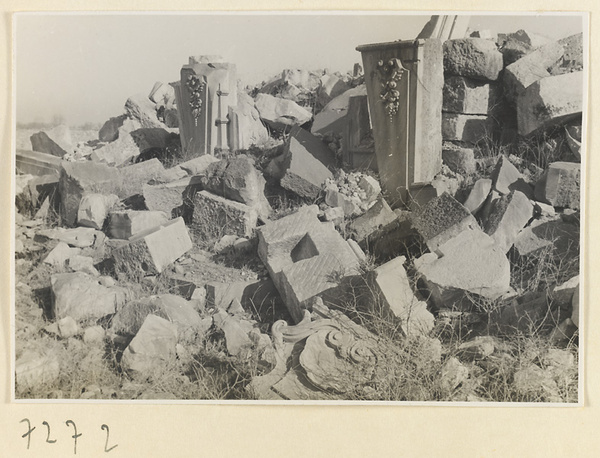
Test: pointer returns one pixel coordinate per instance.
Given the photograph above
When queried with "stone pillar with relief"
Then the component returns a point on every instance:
(206, 91)
(404, 88)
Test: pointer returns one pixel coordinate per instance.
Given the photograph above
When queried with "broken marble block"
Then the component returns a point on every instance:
(459, 159)
(506, 178)
(304, 165)
(153, 346)
(215, 216)
(81, 297)
(521, 74)
(60, 254)
(470, 263)
(171, 198)
(391, 286)
(150, 251)
(305, 258)
(441, 219)
(478, 195)
(126, 223)
(550, 101)
(560, 185)
(510, 214)
(466, 127)
(374, 219)
(93, 209)
(280, 113)
(198, 165)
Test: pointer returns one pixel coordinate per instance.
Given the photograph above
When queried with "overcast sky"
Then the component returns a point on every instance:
(84, 67)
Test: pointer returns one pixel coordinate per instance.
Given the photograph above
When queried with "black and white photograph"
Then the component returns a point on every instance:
(299, 208)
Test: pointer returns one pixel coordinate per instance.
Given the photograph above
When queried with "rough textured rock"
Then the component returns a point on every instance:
(93, 335)
(453, 374)
(149, 252)
(93, 209)
(215, 216)
(303, 167)
(152, 347)
(475, 58)
(60, 254)
(465, 128)
(550, 101)
(470, 262)
(81, 297)
(458, 159)
(237, 179)
(509, 215)
(467, 96)
(521, 74)
(535, 381)
(141, 108)
(478, 195)
(126, 223)
(441, 219)
(280, 113)
(109, 132)
(391, 286)
(33, 369)
(375, 218)
(560, 186)
(42, 143)
(573, 57)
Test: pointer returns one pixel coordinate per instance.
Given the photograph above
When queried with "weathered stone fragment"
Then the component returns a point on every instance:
(93, 209)
(332, 118)
(560, 185)
(81, 297)
(60, 254)
(375, 218)
(237, 179)
(171, 198)
(391, 286)
(109, 132)
(126, 223)
(475, 58)
(235, 330)
(215, 217)
(123, 149)
(134, 177)
(33, 369)
(506, 178)
(550, 101)
(458, 159)
(36, 163)
(141, 108)
(572, 60)
(305, 258)
(247, 128)
(150, 251)
(468, 263)
(465, 128)
(509, 215)
(479, 348)
(152, 347)
(563, 237)
(441, 219)
(521, 74)
(478, 195)
(280, 113)
(80, 237)
(83, 264)
(42, 143)
(534, 381)
(467, 96)
(198, 165)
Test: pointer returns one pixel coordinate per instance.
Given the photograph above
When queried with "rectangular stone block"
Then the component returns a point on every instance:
(550, 101)
(35, 163)
(149, 252)
(376, 217)
(134, 177)
(466, 128)
(305, 258)
(124, 224)
(468, 96)
(215, 216)
(171, 198)
(441, 219)
(391, 286)
(472, 57)
(304, 164)
(560, 186)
